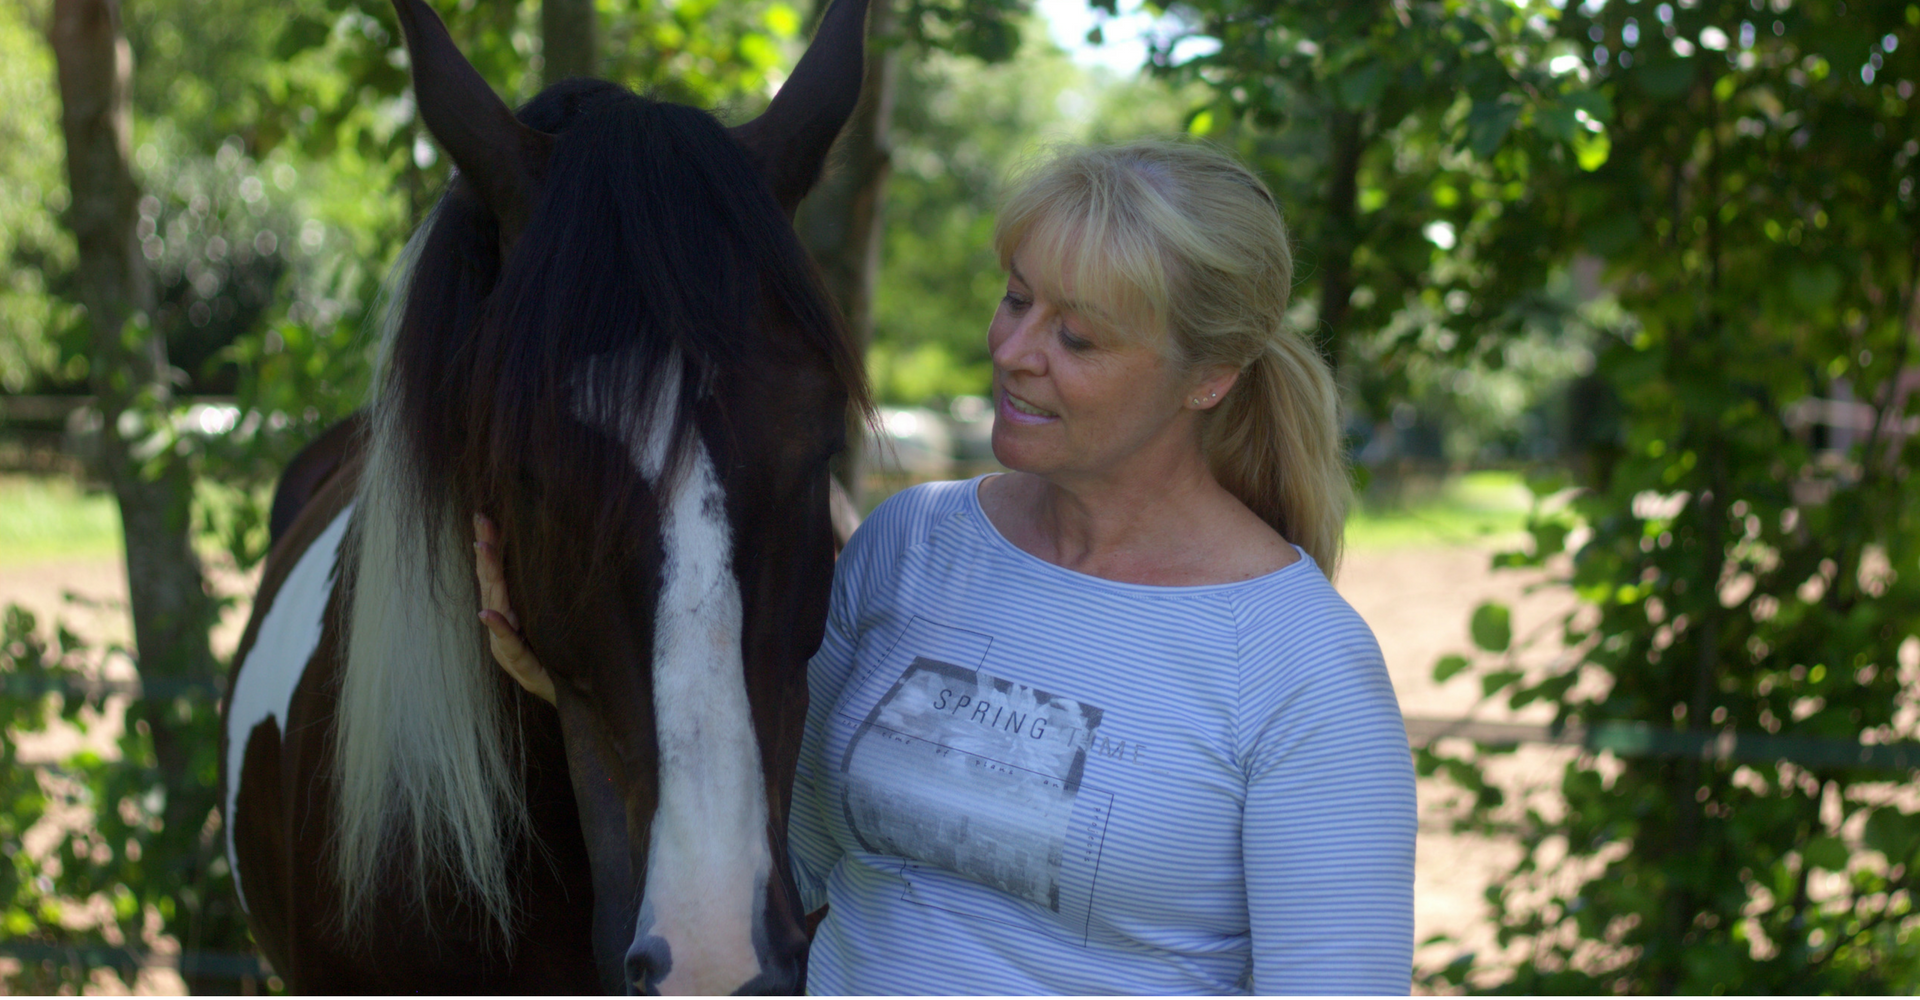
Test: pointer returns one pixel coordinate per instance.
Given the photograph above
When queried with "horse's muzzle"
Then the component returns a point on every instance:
(782, 953)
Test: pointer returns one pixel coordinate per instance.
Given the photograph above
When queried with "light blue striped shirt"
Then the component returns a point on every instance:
(1020, 779)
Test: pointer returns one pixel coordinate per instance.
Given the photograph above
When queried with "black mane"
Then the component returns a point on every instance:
(654, 234)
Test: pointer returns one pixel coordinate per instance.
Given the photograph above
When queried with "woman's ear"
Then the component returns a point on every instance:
(1211, 386)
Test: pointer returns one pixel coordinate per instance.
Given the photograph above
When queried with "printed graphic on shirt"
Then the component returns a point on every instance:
(970, 773)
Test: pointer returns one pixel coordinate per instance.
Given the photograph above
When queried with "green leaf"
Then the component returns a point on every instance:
(1492, 627)
(1814, 287)
(1826, 852)
(1493, 682)
(782, 20)
(1612, 234)
(1594, 102)
(1488, 124)
(1556, 121)
(1448, 666)
(1892, 833)
(1549, 537)
(300, 34)
(1362, 86)
(1592, 149)
(1666, 78)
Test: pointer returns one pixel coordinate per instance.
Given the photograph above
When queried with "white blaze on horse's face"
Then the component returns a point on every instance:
(709, 860)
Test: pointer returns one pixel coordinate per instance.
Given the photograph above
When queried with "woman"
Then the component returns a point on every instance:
(1100, 724)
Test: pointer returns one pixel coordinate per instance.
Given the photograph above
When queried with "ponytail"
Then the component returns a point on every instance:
(1274, 443)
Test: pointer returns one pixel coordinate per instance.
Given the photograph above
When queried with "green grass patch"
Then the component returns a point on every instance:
(55, 518)
(1476, 508)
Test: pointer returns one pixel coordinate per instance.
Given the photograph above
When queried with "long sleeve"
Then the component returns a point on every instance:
(810, 843)
(1327, 838)
(865, 568)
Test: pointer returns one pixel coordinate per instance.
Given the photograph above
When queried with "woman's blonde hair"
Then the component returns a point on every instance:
(1184, 237)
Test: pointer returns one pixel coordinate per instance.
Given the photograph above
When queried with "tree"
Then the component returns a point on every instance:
(1403, 139)
(960, 127)
(1750, 572)
(132, 384)
(567, 42)
(842, 222)
(32, 241)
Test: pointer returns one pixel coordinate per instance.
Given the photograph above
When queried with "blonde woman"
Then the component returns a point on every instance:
(1100, 724)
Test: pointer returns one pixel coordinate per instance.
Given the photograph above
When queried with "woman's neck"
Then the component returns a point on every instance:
(1174, 530)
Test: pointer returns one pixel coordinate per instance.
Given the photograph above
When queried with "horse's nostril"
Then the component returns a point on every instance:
(648, 962)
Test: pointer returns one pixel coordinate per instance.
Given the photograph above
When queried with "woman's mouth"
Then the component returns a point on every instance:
(1022, 408)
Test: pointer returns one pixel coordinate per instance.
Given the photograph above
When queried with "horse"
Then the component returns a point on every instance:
(607, 338)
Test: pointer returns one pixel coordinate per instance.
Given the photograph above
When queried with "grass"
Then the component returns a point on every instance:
(45, 518)
(1476, 508)
(54, 518)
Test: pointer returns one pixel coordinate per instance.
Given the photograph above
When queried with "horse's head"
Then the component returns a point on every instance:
(615, 346)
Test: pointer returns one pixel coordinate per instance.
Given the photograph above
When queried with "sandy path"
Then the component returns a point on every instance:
(1418, 602)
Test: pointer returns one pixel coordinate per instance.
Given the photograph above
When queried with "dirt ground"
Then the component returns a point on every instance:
(1418, 601)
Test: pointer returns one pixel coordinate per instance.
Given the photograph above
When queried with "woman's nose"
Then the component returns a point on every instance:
(1018, 348)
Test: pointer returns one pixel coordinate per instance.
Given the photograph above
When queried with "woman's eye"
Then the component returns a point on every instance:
(1072, 342)
(1015, 301)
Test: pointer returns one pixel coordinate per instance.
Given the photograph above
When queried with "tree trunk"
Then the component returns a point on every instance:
(130, 375)
(840, 223)
(131, 379)
(1347, 141)
(567, 40)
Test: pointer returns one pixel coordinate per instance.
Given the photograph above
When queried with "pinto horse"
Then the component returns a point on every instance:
(611, 342)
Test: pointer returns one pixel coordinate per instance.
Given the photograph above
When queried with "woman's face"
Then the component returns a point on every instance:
(1075, 395)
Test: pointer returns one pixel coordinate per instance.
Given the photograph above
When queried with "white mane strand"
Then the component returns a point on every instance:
(426, 764)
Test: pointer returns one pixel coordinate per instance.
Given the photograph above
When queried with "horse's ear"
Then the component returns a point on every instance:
(499, 156)
(791, 138)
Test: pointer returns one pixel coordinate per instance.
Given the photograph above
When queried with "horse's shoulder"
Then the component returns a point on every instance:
(313, 468)
(315, 520)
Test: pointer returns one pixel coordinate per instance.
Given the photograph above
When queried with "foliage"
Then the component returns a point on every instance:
(32, 244)
(114, 871)
(959, 128)
(1502, 401)
(1749, 556)
(1406, 140)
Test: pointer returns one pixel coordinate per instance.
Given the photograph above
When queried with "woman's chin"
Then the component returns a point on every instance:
(1017, 455)
(1016, 452)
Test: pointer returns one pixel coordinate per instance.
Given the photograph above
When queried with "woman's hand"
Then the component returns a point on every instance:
(509, 649)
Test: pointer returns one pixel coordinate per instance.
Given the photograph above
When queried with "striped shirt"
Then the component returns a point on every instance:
(1020, 779)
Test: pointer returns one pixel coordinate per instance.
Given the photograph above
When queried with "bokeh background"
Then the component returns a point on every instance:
(1623, 296)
